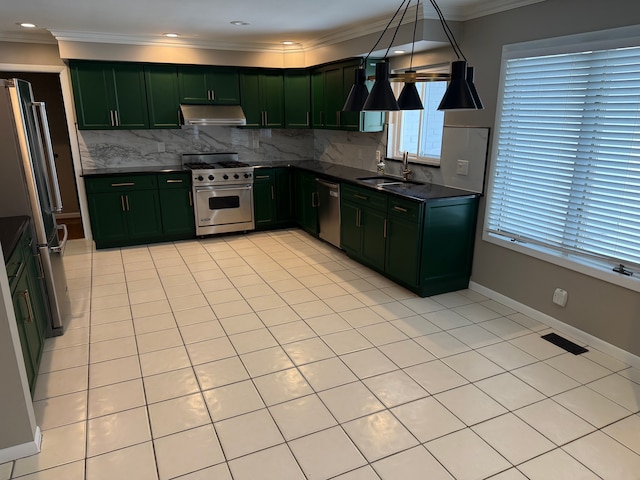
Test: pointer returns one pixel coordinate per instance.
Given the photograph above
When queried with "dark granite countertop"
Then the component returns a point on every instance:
(105, 172)
(11, 229)
(333, 171)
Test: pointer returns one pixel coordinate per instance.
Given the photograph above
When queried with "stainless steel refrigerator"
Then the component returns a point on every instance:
(29, 186)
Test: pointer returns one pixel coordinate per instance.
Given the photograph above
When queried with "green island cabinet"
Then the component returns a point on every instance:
(28, 303)
(330, 86)
(109, 95)
(262, 92)
(272, 198)
(136, 209)
(297, 98)
(212, 85)
(306, 201)
(424, 246)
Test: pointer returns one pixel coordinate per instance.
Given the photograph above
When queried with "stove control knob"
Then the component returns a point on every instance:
(247, 175)
(200, 178)
(225, 176)
(236, 176)
(210, 177)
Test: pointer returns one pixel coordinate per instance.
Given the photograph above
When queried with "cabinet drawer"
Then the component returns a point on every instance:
(174, 180)
(14, 265)
(404, 208)
(263, 175)
(125, 182)
(364, 197)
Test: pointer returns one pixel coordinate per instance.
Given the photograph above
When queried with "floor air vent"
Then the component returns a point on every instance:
(561, 342)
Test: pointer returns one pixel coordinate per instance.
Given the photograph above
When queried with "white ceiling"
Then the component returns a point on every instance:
(309, 23)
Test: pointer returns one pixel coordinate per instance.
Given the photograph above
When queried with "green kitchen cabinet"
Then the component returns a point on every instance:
(262, 93)
(163, 98)
(124, 210)
(297, 98)
(330, 86)
(306, 205)
(211, 85)
(109, 95)
(272, 198)
(363, 213)
(28, 303)
(176, 206)
(403, 240)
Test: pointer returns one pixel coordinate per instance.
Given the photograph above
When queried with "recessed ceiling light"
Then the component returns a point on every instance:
(27, 25)
(239, 23)
(172, 35)
(399, 51)
(288, 42)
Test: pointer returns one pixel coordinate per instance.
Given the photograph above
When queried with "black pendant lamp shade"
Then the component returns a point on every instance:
(458, 95)
(409, 99)
(472, 87)
(358, 93)
(381, 97)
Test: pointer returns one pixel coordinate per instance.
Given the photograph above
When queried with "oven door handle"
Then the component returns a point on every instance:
(220, 188)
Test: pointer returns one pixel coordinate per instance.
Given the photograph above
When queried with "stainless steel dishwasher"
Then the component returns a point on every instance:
(329, 211)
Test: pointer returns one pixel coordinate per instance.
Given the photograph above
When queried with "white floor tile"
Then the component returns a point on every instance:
(178, 414)
(112, 349)
(473, 366)
(606, 457)
(302, 416)
(509, 391)
(411, 465)
(307, 351)
(395, 388)
(282, 386)
(276, 463)
(346, 341)
(442, 344)
(133, 462)
(220, 373)
(474, 336)
(406, 353)
(70, 471)
(118, 430)
(470, 404)
(447, 319)
(626, 432)
(427, 419)
(59, 411)
(248, 433)
(326, 454)
(116, 398)
(591, 406)
(266, 361)
(292, 332)
(161, 340)
(164, 361)
(350, 401)
(558, 465)
(210, 350)
(326, 374)
(619, 389)
(545, 378)
(415, 326)
(367, 363)
(252, 341)
(578, 367)
(60, 382)
(168, 385)
(435, 377)
(507, 356)
(232, 400)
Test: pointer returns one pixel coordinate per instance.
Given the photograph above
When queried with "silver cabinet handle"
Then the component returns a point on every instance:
(125, 184)
(400, 209)
(190, 199)
(314, 199)
(111, 118)
(127, 198)
(308, 118)
(384, 234)
(261, 177)
(115, 115)
(174, 181)
(27, 300)
(361, 197)
(266, 118)
(273, 195)
(122, 203)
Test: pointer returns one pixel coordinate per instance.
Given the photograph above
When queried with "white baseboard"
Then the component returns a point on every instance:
(597, 343)
(24, 450)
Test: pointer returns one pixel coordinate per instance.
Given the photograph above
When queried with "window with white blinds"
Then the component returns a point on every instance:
(566, 161)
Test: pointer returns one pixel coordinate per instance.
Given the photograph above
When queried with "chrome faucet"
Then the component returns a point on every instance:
(405, 166)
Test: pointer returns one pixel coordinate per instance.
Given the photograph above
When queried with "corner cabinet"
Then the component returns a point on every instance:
(330, 86)
(109, 95)
(424, 246)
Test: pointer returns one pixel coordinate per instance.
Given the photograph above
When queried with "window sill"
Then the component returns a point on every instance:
(600, 270)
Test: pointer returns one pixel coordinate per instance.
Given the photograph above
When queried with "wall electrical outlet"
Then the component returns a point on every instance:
(377, 155)
(463, 167)
(161, 147)
(560, 297)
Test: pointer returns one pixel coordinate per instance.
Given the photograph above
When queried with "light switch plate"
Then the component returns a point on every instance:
(463, 167)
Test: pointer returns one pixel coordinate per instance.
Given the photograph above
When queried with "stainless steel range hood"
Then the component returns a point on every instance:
(218, 115)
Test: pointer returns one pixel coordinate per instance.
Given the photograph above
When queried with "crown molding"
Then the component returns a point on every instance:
(31, 37)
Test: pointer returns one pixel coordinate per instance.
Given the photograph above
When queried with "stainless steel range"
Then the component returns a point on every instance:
(222, 192)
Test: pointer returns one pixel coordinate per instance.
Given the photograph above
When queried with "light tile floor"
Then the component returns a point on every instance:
(274, 356)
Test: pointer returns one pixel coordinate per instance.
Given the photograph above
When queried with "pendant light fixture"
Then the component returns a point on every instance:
(461, 94)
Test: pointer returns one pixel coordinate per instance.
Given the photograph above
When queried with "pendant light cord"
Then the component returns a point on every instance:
(385, 31)
(413, 43)
(452, 40)
(386, 54)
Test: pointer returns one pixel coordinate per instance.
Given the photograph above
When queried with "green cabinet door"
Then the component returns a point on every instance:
(297, 98)
(373, 226)
(214, 85)
(143, 215)
(403, 251)
(109, 95)
(178, 219)
(350, 231)
(333, 97)
(107, 213)
(307, 202)
(359, 121)
(264, 198)
(262, 93)
(284, 196)
(162, 96)
(317, 98)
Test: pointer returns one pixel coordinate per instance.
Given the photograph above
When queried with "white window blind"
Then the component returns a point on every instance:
(567, 160)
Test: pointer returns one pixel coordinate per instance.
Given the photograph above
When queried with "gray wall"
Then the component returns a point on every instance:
(599, 308)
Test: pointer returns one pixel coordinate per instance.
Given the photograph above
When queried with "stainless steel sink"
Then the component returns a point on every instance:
(382, 181)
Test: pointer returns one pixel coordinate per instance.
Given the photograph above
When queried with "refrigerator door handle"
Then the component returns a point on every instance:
(39, 107)
(60, 248)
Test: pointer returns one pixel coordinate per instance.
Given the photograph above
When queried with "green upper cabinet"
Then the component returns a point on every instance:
(109, 95)
(297, 98)
(262, 93)
(163, 98)
(330, 86)
(214, 85)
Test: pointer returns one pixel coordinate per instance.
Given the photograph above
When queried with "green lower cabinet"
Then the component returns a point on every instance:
(306, 206)
(350, 231)
(176, 206)
(402, 259)
(272, 198)
(362, 233)
(143, 215)
(108, 223)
